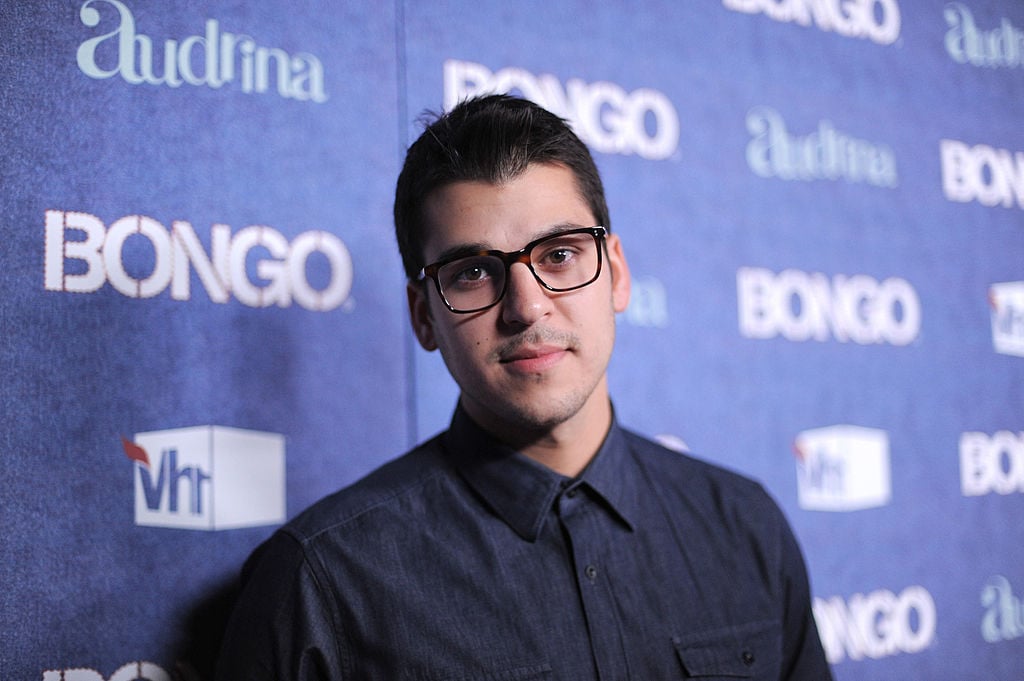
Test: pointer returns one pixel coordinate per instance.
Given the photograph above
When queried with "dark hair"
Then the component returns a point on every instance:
(493, 138)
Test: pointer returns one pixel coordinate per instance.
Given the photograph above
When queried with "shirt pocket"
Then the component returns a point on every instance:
(745, 651)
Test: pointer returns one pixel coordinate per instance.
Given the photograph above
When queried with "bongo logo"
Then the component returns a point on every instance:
(257, 265)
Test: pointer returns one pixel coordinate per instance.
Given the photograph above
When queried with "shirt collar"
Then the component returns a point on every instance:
(522, 491)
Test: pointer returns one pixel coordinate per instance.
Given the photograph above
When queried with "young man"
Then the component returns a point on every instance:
(536, 538)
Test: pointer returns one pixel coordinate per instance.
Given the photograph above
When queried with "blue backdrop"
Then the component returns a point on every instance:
(203, 312)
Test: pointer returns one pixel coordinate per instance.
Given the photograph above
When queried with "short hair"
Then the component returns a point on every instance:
(491, 138)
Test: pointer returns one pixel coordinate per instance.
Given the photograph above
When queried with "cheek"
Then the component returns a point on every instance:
(463, 342)
(602, 308)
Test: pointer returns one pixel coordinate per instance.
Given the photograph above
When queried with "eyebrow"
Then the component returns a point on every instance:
(462, 250)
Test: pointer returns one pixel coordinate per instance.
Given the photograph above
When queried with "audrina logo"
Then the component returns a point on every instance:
(208, 478)
(99, 258)
(648, 304)
(1004, 614)
(1001, 47)
(213, 59)
(825, 154)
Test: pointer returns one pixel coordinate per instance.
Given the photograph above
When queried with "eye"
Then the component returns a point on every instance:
(558, 255)
(470, 272)
(475, 273)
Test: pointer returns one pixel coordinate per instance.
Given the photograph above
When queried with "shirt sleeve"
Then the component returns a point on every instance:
(282, 627)
(803, 656)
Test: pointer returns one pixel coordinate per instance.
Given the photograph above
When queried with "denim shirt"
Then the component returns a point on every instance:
(464, 560)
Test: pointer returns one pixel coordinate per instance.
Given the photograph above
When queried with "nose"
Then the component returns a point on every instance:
(526, 301)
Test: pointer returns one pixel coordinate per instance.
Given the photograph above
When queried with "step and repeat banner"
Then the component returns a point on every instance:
(203, 311)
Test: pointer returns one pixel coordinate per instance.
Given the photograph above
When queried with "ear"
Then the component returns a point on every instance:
(420, 316)
(620, 273)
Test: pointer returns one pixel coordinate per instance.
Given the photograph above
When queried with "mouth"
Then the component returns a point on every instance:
(533, 359)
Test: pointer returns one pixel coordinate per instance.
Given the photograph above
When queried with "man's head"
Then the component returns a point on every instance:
(490, 139)
(526, 335)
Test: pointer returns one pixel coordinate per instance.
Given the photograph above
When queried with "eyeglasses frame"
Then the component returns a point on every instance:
(521, 256)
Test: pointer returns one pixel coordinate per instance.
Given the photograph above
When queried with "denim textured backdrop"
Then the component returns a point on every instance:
(822, 205)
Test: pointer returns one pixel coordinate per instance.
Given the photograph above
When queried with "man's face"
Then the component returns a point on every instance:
(537, 359)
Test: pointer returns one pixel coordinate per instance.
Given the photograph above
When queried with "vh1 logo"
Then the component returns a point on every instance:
(208, 478)
(843, 468)
(1007, 302)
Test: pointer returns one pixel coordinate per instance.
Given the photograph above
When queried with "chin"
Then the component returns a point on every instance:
(532, 418)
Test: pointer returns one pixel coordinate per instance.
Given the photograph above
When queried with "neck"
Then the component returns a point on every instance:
(565, 448)
(566, 456)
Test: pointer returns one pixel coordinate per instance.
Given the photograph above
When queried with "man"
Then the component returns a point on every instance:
(536, 538)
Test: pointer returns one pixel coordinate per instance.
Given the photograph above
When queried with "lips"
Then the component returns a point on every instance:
(533, 359)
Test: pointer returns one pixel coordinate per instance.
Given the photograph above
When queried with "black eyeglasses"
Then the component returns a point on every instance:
(472, 282)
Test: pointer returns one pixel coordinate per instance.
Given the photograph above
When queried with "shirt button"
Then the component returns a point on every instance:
(591, 573)
(572, 493)
(748, 658)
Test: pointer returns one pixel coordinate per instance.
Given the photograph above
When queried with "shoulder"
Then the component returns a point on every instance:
(698, 485)
(688, 467)
(394, 487)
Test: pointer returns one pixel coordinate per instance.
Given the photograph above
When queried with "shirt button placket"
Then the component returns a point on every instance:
(584, 533)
